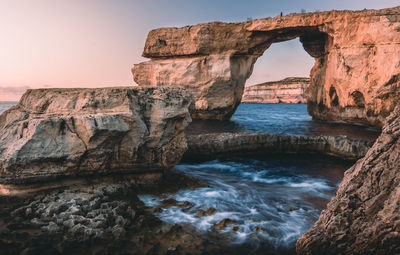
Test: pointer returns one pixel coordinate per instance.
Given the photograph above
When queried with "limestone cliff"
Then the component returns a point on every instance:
(363, 218)
(288, 91)
(355, 77)
(71, 132)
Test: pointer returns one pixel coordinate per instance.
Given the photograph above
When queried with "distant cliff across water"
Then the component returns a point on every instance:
(287, 91)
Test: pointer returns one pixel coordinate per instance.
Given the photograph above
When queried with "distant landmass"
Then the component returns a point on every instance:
(287, 91)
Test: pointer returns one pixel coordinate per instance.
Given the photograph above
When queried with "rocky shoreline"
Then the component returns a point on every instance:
(103, 215)
(211, 146)
(106, 218)
(363, 217)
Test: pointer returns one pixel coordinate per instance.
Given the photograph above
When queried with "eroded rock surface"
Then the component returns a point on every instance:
(355, 77)
(363, 218)
(68, 132)
(211, 146)
(104, 218)
(288, 91)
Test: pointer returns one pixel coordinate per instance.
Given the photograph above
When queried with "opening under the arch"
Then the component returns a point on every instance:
(281, 60)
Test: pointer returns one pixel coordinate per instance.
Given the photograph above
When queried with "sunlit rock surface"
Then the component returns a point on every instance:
(69, 132)
(355, 77)
(288, 91)
(364, 216)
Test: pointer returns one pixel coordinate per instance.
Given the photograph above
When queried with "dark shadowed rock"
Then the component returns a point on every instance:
(364, 216)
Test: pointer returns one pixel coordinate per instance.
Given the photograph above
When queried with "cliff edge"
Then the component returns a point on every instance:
(287, 91)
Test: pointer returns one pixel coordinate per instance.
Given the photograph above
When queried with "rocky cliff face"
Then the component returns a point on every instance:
(355, 77)
(70, 132)
(363, 218)
(288, 91)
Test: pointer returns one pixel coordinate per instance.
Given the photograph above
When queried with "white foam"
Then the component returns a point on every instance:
(259, 198)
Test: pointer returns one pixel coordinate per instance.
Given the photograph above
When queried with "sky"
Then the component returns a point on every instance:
(94, 43)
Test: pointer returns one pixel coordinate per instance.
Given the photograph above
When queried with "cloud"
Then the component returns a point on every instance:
(12, 93)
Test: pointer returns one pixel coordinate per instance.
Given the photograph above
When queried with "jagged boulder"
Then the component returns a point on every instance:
(72, 132)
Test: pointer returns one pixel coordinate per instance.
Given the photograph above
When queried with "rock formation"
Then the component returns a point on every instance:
(288, 91)
(71, 132)
(355, 77)
(363, 218)
(211, 146)
(102, 218)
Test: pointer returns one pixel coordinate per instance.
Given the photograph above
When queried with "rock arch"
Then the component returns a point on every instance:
(352, 50)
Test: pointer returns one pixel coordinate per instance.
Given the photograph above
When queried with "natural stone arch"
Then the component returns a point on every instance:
(213, 61)
(216, 79)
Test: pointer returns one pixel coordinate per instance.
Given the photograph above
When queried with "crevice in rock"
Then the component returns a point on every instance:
(358, 98)
(334, 99)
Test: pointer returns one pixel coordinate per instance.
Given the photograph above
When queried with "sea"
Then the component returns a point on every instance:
(269, 200)
(4, 105)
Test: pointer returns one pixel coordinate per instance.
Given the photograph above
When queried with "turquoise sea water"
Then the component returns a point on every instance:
(282, 119)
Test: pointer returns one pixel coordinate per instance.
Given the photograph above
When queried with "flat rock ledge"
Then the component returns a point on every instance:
(363, 217)
(54, 133)
(211, 146)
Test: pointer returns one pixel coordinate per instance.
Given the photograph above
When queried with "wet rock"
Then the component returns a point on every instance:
(4, 230)
(167, 203)
(118, 232)
(36, 221)
(109, 219)
(258, 228)
(208, 211)
(223, 224)
(51, 228)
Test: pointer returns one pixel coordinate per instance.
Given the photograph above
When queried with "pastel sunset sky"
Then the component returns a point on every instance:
(94, 43)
